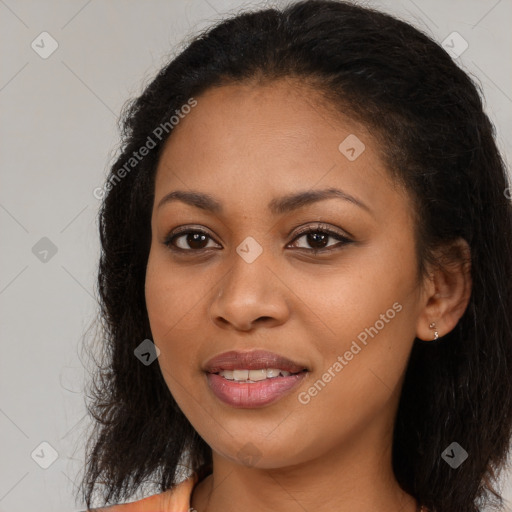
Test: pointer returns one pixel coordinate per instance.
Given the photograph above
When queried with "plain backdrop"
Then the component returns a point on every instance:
(58, 136)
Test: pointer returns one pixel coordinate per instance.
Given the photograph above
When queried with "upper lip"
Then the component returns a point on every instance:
(253, 360)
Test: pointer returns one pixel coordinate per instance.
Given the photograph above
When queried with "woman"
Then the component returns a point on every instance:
(305, 276)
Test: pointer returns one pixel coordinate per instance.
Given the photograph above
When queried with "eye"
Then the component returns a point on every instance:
(187, 240)
(318, 236)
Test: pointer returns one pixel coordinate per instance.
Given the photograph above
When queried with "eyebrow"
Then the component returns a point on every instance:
(277, 206)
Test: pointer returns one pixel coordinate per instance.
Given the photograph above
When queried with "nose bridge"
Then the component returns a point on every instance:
(249, 291)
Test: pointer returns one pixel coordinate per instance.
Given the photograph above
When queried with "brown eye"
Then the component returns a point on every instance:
(191, 240)
(317, 240)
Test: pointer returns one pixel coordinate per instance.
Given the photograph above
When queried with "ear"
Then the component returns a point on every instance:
(446, 292)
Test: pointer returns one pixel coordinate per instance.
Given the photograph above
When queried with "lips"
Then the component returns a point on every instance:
(253, 360)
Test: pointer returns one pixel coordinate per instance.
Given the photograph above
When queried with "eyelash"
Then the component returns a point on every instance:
(322, 229)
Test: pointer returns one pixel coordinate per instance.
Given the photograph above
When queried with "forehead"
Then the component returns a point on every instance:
(247, 139)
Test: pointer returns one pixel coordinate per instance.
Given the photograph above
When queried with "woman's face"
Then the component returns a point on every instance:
(348, 313)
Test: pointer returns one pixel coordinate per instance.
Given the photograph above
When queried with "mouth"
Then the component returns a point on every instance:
(252, 379)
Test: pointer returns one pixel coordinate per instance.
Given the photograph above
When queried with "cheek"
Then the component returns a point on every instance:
(173, 296)
(351, 298)
(170, 305)
(367, 310)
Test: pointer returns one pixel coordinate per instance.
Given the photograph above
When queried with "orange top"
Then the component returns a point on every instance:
(172, 500)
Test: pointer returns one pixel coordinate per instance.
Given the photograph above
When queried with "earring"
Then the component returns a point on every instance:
(436, 334)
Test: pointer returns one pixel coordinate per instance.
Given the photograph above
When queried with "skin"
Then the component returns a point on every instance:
(245, 145)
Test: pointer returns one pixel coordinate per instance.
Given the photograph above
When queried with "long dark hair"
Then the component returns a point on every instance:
(435, 139)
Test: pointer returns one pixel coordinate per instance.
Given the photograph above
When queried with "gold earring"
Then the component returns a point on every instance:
(436, 334)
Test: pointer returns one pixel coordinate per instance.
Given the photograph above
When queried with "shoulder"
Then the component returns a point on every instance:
(176, 499)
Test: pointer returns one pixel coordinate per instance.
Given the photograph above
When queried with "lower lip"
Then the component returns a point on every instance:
(251, 395)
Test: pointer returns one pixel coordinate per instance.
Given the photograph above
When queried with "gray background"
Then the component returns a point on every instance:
(58, 137)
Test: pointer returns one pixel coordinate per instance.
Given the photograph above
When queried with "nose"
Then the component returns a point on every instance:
(250, 294)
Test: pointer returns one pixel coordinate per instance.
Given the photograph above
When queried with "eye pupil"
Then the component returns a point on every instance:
(194, 238)
(315, 238)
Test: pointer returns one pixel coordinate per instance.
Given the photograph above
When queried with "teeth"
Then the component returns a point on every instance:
(253, 375)
(240, 374)
(257, 375)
